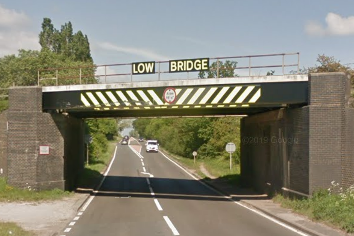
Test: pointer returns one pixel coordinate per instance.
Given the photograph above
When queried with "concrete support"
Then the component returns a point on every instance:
(29, 129)
(303, 149)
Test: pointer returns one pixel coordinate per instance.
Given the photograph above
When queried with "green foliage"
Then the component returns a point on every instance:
(59, 49)
(182, 136)
(9, 193)
(335, 206)
(64, 42)
(220, 69)
(4, 104)
(13, 230)
(92, 172)
(101, 130)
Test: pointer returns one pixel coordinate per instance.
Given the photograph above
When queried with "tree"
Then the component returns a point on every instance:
(47, 37)
(220, 69)
(328, 64)
(64, 42)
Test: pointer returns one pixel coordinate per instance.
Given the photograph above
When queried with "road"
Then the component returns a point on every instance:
(147, 194)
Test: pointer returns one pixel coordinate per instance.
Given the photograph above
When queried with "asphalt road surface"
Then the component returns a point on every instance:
(147, 194)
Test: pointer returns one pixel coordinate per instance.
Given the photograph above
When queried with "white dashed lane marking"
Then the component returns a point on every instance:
(172, 227)
(158, 204)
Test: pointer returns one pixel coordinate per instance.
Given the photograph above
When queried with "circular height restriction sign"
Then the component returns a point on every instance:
(170, 95)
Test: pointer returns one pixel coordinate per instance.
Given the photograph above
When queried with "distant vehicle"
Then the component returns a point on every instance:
(141, 139)
(126, 137)
(152, 146)
(124, 141)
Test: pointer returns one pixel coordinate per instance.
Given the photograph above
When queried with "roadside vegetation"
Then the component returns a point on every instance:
(93, 172)
(207, 136)
(12, 194)
(333, 206)
(13, 229)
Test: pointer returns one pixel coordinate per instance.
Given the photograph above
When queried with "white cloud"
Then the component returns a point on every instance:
(150, 55)
(11, 42)
(13, 33)
(336, 25)
(11, 18)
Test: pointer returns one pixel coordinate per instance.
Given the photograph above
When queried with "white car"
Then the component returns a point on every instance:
(152, 146)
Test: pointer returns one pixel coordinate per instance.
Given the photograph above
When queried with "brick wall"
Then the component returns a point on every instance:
(274, 150)
(348, 157)
(30, 128)
(24, 108)
(3, 144)
(323, 150)
(328, 102)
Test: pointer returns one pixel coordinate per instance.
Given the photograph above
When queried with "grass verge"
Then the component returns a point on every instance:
(334, 208)
(12, 194)
(13, 229)
(217, 167)
(93, 172)
(4, 104)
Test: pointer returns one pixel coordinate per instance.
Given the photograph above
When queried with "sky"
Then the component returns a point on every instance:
(158, 30)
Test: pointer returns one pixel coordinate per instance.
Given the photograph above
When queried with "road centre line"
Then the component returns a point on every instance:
(151, 191)
(144, 169)
(148, 181)
(172, 227)
(67, 230)
(72, 223)
(238, 203)
(76, 218)
(158, 204)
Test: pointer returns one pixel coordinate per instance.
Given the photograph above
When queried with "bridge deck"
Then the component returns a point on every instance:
(201, 97)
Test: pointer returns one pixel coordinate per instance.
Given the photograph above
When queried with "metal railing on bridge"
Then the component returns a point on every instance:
(122, 72)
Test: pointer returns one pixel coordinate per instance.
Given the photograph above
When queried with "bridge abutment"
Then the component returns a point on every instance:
(301, 150)
(29, 132)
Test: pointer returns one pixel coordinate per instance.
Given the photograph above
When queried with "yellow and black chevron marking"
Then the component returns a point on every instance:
(187, 97)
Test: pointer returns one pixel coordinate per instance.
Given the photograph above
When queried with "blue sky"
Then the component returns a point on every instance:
(133, 31)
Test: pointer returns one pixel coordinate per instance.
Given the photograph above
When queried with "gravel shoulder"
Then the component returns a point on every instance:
(45, 218)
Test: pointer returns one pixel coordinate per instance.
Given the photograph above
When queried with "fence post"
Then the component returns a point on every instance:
(298, 62)
(217, 68)
(80, 75)
(38, 77)
(158, 76)
(56, 72)
(249, 66)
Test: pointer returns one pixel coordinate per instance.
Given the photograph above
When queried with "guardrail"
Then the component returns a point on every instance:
(88, 74)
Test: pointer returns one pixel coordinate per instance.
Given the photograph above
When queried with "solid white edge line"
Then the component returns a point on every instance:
(158, 204)
(238, 203)
(99, 186)
(172, 227)
(87, 203)
(272, 219)
(181, 167)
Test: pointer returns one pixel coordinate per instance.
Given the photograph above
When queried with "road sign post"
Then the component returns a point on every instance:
(194, 155)
(230, 148)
